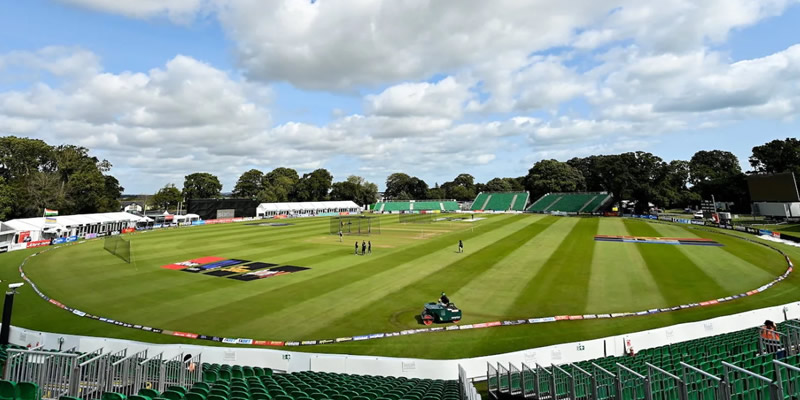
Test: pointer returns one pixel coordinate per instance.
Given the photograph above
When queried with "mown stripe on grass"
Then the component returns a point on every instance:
(278, 299)
(734, 274)
(514, 272)
(760, 257)
(321, 310)
(620, 277)
(679, 279)
(561, 285)
(401, 304)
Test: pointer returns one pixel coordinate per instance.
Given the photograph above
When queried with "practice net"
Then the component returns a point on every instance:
(119, 247)
(355, 225)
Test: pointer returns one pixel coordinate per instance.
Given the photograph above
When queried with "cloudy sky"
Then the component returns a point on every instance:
(433, 88)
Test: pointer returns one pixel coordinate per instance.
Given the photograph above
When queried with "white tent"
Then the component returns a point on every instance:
(69, 225)
(307, 208)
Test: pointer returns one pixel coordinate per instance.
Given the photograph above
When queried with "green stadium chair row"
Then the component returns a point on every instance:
(508, 201)
(10, 390)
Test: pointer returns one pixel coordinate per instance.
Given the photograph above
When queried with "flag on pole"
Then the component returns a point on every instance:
(50, 213)
(49, 220)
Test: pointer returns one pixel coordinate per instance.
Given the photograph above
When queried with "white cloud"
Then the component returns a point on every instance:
(177, 10)
(445, 98)
(510, 72)
(348, 44)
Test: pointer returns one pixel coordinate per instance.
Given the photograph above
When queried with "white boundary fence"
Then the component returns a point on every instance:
(283, 360)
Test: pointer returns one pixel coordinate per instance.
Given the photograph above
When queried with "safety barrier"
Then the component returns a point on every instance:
(91, 374)
(466, 390)
(570, 382)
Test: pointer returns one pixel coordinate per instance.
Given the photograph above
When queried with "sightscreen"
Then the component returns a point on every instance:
(209, 208)
(775, 187)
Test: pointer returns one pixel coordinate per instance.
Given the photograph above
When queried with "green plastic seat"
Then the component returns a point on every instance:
(149, 393)
(8, 390)
(138, 397)
(202, 385)
(260, 396)
(195, 396)
(112, 396)
(27, 391)
(171, 395)
(213, 396)
(176, 388)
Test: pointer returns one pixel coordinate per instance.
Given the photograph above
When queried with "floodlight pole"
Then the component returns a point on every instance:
(5, 330)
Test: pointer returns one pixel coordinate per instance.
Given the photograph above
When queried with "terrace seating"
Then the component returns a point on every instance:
(570, 202)
(415, 206)
(10, 390)
(500, 201)
(261, 384)
(732, 365)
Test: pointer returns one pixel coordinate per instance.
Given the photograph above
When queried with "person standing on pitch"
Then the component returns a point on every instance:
(340, 236)
(369, 247)
(363, 248)
(356, 247)
(460, 246)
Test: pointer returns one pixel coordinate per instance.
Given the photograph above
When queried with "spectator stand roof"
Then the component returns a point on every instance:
(38, 223)
(307, 206)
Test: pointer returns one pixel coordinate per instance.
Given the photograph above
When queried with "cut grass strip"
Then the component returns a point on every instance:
(720, 265)
(620, 277)
(407, 301)
(515, 271)
(679, 279)
(561, 285)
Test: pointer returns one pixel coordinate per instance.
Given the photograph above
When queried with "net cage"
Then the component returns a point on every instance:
(119, 247)
(355, 225)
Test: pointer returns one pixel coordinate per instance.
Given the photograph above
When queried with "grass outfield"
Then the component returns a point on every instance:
(514, 266)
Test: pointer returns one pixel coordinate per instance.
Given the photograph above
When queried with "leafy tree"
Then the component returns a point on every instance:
(112, 193)
(676, 185)
(718, 173)
(777, 156)
(21, 157)
(313, 186)
(42, 190)
(249, 184)
(84, 191)
(396, 183)
(355, 188)
(436, 193)
(517, 184)
(590, 169)
(277, 185)
(498, 185)
(167, 197)
(466, 185)
(400, 186)
(6, 199)
(549, 176)
(201, 185)
(344, 191)
(709, 166)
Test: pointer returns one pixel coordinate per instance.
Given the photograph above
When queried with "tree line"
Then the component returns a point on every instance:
(279, 185)
(35, 175)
